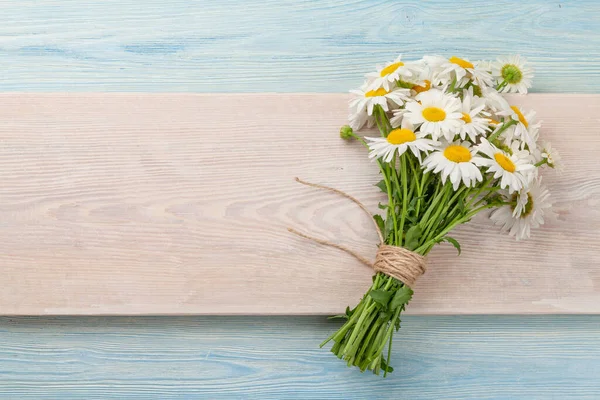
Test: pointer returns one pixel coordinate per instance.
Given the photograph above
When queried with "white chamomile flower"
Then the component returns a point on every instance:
(423, 77)
(398, 141)
(464, 70)
(526, 129)
(437, 113)
(496, 102)
(550, 156)
(527, 211)
(514, 169)
(475, 123)
(454, 161)
(357, 120)
(387, 75)
(513, 74)
(397, 117)
(434, 69)
(367, 99)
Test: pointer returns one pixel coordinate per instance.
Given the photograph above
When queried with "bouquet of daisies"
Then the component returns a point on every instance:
(450, 146)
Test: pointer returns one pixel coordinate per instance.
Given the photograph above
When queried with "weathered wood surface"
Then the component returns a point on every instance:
(178, 204)
(454, 358)
(281, 45)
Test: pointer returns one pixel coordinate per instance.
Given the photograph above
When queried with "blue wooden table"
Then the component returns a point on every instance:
(288, 46)
(468, 357)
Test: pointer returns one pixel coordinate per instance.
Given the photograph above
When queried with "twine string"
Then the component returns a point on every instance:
(395, 261)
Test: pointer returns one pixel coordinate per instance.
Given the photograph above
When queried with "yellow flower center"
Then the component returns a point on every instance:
(434, 114)
(467, 118)
(457, 153)
(461, 62)
(399, 136)
(505, 162)
(493, 121)
(424, 88)
(376, 93)
(520, 115)
(390, 69)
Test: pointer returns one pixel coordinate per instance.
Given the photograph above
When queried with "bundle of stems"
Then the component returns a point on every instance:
(420, 212)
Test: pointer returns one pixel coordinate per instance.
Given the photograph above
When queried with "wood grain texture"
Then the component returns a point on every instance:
(179, 204)
(281, 45)
(482, 357)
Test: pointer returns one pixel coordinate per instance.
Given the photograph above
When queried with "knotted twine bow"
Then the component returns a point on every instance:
(397, 262)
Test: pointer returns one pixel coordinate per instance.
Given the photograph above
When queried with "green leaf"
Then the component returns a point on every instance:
(389, 227)
(349, 311)
(381, 296)
(382, 206)
(413, 235)
(384, 315)
(453, 241)
(385, 367)
(402, 297)
(344, 316)
(413, 202)
(413, 219)
(380, 223)
(382, 186)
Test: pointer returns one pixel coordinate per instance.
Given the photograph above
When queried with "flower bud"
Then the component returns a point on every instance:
(346, 132)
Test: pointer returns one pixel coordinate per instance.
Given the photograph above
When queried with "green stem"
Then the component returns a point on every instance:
(385, 169)
(501, 85)
(391, 203)
(443, 213)
(389, 355)
(437, 216)
(404, 198)
(424, 180)
(504, 127)
(337, 336)
(437, 197)
(452, 225)
(436, 205)
(485, 187)
(452, 85)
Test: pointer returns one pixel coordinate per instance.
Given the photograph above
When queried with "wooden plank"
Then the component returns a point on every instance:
(482, 357)
(281, 45)
(179, 204)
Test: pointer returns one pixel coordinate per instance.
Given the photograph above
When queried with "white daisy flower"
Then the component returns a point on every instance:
(423, 78)
(399, 140)
(387, 75)
(512, 74)
(550, 156)
(514, 169)
(357, 120)
(526, 129)
(435, 68)
(397, 117)
(496, 102)
(530, 207)
(473, 116)
(367, 99)
(464, 70)
(456, 161)
(437, 113)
